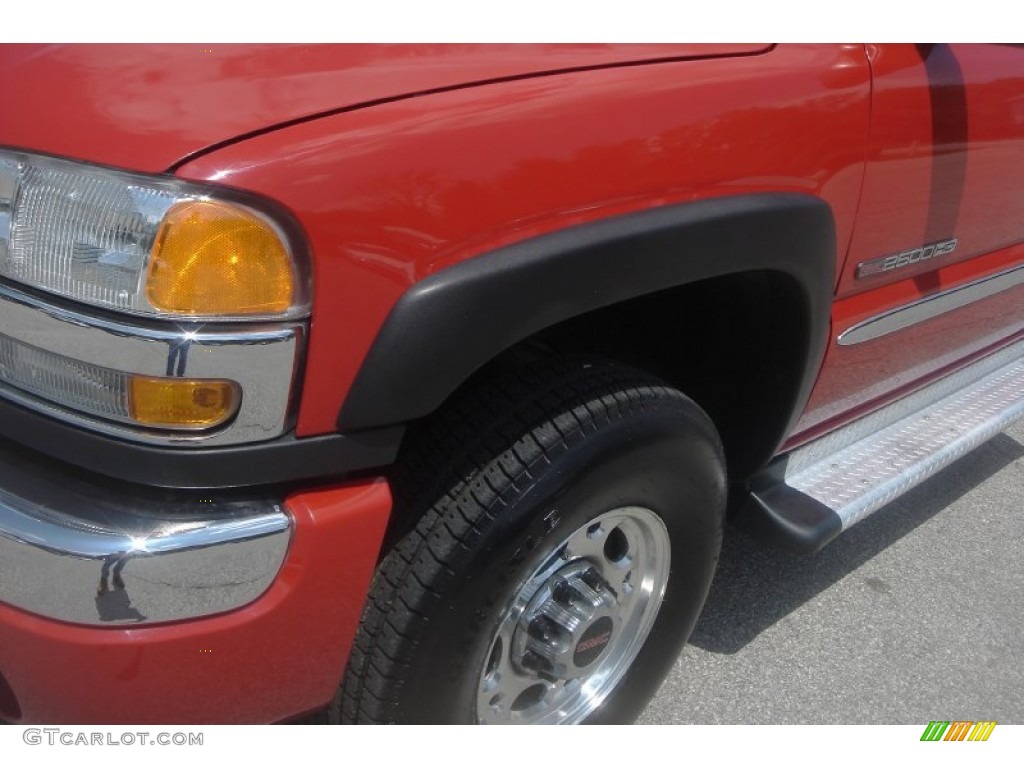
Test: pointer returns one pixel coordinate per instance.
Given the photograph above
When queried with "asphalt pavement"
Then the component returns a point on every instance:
(915, 614)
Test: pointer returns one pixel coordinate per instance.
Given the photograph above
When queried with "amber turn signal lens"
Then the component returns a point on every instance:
(213, 259)
(183, 403)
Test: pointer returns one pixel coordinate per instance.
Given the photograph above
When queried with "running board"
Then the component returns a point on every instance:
(807, 498)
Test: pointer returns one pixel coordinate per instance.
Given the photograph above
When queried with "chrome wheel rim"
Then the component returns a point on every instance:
(572, 629)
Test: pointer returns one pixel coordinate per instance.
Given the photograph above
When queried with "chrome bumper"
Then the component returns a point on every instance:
(77, 552)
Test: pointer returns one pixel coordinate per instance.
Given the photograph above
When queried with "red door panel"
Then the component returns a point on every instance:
(945, 160)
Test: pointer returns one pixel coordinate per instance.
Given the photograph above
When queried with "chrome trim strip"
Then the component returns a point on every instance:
(260, 357)
(128, 568)
(931, 306)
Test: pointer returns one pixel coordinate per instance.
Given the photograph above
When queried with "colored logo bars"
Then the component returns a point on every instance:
(958, 730)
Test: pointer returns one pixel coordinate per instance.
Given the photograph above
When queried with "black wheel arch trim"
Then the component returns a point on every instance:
(449, 325)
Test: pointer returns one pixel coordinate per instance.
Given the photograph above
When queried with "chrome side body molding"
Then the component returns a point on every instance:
(931, 306)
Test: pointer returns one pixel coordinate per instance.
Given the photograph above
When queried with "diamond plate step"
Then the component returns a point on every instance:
(812, 495)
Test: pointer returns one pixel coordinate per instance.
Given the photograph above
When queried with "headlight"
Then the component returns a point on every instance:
(143, 245)
(191, 304)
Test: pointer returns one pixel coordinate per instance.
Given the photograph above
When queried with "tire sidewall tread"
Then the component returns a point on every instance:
(575, 431)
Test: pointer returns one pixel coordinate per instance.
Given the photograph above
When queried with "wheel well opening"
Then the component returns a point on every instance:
(735, 344)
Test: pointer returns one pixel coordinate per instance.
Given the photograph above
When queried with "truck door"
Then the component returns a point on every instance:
(941, 217)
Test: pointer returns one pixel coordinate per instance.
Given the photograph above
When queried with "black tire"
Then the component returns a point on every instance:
(489, 490)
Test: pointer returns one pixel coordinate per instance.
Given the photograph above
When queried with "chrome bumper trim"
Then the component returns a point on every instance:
(89, 555)
(260, 357)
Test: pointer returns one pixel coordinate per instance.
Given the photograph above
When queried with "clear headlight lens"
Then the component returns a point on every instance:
(142, 245)
(71, 383)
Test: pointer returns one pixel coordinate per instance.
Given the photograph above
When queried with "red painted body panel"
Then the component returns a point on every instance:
(394, 192)
(147, 106)
(276, 658)
(945, 153)
(946, 159)
(403, 187)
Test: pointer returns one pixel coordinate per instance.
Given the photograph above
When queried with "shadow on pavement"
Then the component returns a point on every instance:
(757, 585)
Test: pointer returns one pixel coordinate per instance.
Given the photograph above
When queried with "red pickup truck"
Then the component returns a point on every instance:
(415, 383)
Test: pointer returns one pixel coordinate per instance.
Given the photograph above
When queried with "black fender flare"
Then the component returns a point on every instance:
(447, 326)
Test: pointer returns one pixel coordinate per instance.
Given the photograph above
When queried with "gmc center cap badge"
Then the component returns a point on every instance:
(593, 642)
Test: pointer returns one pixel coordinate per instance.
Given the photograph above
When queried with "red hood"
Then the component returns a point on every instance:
(148, 106)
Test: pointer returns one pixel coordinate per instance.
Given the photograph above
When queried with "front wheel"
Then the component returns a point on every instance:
(563, 524)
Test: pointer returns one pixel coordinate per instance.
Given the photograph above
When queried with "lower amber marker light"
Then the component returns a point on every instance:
(183, 403)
